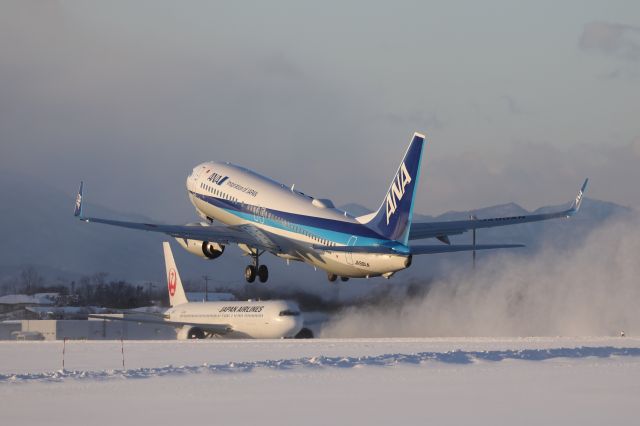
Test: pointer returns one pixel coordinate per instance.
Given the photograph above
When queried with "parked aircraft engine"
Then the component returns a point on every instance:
(204, 249)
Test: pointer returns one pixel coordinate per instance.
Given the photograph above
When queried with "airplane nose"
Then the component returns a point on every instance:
(407, 261)
(296, 324)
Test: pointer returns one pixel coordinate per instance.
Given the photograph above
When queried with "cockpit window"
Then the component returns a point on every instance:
(289, 313)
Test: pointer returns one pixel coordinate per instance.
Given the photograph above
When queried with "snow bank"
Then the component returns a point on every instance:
(386, 360)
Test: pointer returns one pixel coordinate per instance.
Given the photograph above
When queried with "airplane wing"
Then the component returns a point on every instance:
(243, 234)
(212, 328)
(442, 230)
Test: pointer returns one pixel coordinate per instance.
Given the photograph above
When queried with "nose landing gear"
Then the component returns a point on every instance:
(256, 270)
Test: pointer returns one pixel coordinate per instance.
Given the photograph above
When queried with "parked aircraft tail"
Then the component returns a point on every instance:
(393, 218)
(174, 283)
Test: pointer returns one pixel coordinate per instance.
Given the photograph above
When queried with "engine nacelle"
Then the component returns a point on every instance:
(204, 249)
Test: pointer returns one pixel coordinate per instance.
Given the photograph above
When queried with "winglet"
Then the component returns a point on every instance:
(575, 206)
(78, 210)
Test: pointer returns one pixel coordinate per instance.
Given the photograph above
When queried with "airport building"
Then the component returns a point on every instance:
(16, 302)
(93, 329)
(37, 318)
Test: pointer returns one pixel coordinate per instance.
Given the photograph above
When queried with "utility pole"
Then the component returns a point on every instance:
(150, 287)
(473, 217)
(206, 287)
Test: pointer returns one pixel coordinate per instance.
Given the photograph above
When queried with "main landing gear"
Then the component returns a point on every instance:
(333, 277)
(256, 270)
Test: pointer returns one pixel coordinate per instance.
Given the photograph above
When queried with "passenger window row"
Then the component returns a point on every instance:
(217, 192)
(261, 211)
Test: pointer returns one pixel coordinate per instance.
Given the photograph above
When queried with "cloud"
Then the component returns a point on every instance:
(84, 96)
(512, 105)
(277, 63)
(531, 174)
(424, 121)
(613, 39)
(82, 100)
(635, 147)
(590, 290)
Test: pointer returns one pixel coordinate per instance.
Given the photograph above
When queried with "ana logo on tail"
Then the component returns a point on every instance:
(396, 192)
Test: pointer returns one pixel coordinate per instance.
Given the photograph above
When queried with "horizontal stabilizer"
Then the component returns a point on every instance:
(432, 249)
(421, 249)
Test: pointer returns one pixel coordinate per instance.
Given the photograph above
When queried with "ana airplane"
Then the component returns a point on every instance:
(251, 319)
(261, 215)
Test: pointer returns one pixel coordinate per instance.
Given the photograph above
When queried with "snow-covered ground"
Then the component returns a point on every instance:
(362, 381)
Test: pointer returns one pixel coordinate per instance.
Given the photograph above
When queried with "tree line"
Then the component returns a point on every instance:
(90, 290)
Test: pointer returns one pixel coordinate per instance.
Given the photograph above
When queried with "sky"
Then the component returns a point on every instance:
(520, 101)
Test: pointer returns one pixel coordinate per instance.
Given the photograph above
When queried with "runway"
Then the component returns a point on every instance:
(373, 381)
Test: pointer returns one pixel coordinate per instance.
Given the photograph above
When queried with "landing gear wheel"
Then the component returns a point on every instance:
(343, 279)
(255, 269)
(196, 333)
(305, 333)
(263, 273)
(332, 277)
(250, 273)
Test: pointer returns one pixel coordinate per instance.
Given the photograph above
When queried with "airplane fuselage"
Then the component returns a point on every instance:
(290, 222)
(252, 319)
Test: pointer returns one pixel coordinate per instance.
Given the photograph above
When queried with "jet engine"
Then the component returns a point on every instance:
(204, 249)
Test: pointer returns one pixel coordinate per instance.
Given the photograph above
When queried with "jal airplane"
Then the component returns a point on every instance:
(261, 216)
(198, 320)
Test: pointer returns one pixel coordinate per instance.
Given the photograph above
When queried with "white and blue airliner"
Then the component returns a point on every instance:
(261, 215)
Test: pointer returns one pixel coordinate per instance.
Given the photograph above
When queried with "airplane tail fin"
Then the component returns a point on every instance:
(174, 284)
(393, 218)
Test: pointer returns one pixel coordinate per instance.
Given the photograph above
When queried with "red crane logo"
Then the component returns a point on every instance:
(172, 282)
